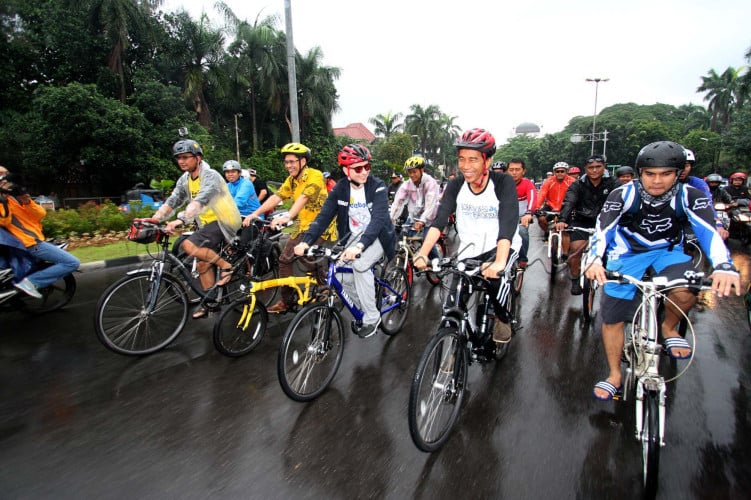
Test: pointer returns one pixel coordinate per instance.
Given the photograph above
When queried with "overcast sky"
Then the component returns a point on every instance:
(495, 64)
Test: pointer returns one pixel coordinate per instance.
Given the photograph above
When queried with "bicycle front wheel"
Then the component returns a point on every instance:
(393, 321)
(588, 299)
(234, 333)
(437, 391)
(650, 441)
(134, 316)
(311, 352)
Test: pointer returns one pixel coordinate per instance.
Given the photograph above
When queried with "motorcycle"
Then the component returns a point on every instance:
(737, 220)
(20, 262)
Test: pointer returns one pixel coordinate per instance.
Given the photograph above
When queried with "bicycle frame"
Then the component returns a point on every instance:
(333, 281)
(303, 285)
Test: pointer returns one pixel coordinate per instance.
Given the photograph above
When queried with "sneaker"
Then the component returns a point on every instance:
(576, 288)
(368, 330)
(28, 288)
(278, 308)
(501, 332)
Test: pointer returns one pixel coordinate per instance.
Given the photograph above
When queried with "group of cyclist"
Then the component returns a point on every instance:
(638, 218)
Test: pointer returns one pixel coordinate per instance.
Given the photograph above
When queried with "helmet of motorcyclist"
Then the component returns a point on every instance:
(738, 175)
(560, 165)
(477, 139)
(665, 154)
(297, 149)
(187, 146)
(414, 162)
(714, 178)
(353, 153)
(574, 170)
(624, 170)
(231, 165)
(499, 166)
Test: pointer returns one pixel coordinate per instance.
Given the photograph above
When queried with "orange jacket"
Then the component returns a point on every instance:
(23, 221)
(552, 192)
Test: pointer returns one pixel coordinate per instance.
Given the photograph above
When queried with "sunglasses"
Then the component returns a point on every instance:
(360, 168)
(562, 171)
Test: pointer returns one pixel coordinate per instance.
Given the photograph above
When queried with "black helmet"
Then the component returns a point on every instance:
(665, 154)
(624, 170)
(186, 146)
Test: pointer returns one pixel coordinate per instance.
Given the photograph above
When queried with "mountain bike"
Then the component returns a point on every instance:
(145, 310)
(554, 243)
(464, 336)
(641, 355)
(407, 248)
(313, 344)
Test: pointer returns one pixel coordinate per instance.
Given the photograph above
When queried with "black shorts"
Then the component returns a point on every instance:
(209, 236)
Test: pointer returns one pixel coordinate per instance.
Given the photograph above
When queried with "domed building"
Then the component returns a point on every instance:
(527, 128)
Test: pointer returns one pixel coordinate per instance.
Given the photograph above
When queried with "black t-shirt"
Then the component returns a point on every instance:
(259, 186)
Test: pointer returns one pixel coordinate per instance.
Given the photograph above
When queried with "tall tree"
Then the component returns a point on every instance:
(422, 122)
(117, 19)
(722, 92)
(387, 124)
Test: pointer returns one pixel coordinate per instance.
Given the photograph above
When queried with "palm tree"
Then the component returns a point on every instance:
(317, 95)
(257, 68)
(422, 122)
(387, 124)
(202, 66)
(722, 92)
(117, 19)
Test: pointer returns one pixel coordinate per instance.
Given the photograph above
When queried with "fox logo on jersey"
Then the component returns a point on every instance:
(701, 204)
(612, 206)
(656, 226)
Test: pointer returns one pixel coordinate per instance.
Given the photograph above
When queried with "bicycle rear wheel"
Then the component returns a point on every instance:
(126, 324)
(440, 248)
(650, 441)
(438, 389)
(392, 321)
(311, 352)
(232, 337)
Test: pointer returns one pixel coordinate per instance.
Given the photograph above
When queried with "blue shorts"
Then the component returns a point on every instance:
(669, 263)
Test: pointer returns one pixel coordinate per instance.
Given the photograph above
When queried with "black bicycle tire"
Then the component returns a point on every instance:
(289, 335)
(400, 285)
(588, 300)
(553, 258)
(32, 305)
(651, 443)
(430, 364)
(235, 345)
(176, 289)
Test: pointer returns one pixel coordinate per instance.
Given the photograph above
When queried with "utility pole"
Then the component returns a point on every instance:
(291, 73)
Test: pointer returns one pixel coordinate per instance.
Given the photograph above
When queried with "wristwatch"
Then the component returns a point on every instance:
(726, 266)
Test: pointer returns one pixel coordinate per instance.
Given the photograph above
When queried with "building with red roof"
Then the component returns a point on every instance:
(356, 131)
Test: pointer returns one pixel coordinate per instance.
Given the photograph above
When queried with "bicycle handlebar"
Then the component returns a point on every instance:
(691, 278)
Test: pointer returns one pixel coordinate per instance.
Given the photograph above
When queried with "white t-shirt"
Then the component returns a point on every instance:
(477, 221)
(359, 214)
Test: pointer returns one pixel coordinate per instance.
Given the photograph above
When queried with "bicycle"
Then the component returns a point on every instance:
(589, 287)
(641, 354)
(407, 248)
(440, 380)
(146, 309)
(313, 344)
(554, 243)
(240, 327)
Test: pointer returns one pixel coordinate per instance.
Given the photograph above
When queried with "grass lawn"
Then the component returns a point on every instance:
(113, 251)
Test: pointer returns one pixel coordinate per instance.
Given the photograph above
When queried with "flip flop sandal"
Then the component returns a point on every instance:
(201, 312)
(677, 343)
(613, 391)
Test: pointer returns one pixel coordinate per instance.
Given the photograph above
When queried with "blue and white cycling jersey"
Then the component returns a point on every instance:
(625, 229)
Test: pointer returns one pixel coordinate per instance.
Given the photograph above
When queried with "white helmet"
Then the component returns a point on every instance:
(690, 158)
(561, 164)
(231, 165)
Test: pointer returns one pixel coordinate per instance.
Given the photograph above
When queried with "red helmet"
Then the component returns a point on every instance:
(353, 153)
(738, 175)
(478, 139)
(574, 170)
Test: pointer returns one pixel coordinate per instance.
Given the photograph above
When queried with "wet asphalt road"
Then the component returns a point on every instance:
(77, 421)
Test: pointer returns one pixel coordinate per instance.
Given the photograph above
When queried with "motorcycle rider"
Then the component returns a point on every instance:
(624, 174)
(737, 189)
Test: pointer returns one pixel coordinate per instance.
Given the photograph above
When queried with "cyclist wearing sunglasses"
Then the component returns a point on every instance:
(360, 205)
(306, 186)
(487, 218)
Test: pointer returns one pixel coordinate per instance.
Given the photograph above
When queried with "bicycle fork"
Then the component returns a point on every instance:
(643, 386)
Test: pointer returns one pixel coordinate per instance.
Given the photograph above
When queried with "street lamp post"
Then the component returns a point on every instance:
(594, 116)
(237, 137)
